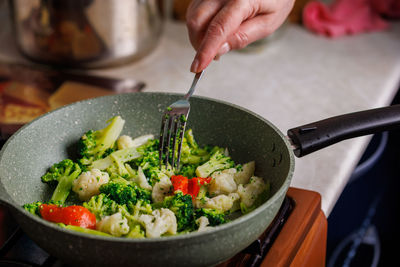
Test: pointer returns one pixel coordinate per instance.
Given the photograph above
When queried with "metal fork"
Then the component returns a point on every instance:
(174, 123)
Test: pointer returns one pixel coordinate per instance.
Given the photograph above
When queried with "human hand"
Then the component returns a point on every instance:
(218, 26)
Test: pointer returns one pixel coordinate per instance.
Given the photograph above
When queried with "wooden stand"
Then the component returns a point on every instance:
(302, 239)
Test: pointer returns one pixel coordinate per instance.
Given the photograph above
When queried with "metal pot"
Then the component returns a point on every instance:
(86, 33)
(52, 137)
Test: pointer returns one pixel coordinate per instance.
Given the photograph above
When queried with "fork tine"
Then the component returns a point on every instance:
(182, 131)
(167, 148)
(176, 123)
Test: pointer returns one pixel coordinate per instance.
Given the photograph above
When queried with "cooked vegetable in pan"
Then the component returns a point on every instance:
(117, 187)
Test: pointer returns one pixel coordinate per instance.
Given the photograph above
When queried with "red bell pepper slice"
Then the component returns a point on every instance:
(180, 183)
(188, 186)
(71, 215)
(195, 183)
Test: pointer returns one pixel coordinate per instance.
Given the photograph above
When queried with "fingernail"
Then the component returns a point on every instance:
(195, 65)
(225, 48)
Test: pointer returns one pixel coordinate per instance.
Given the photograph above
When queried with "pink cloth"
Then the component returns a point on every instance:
(347, 17)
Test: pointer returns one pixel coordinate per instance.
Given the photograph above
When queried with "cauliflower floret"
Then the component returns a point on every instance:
(160, 222)
(115, 225)
(222, 182)
(221, 202)
(161, 188)
(249, 192)
(243, 176)
(141, 140)
(125, 141)
(203, 223)
(88, 183)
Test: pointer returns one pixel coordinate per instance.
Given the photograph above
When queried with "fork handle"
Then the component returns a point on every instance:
(197, 77)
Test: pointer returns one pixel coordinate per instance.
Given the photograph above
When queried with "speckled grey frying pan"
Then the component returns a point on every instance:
(52, 137)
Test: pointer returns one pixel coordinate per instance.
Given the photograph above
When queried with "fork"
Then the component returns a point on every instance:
(174, 123)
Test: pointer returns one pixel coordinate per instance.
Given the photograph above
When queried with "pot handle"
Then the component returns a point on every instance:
(317, 135)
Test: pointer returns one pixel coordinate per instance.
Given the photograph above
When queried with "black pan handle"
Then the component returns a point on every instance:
(317, 135)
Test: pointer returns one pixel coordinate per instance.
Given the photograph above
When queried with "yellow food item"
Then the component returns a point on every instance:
(11, 113)
(70, 92)
(27, 94)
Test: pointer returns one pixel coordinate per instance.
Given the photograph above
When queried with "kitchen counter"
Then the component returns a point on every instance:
(295, 78)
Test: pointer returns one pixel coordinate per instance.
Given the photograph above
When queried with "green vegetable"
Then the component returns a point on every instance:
(150, 163)
(115, 162)
(191, 152)
(131, 170)
(188, 171)
(94, 145)
(83, 230)
(62, 174)
(101, 205)
(33, 207)
(218, 161)
(136, 232)
(125, 193)
(215, 217)
(261, 198)
(182, 206)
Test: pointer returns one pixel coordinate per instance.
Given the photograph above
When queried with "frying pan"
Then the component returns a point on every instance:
(53, 137)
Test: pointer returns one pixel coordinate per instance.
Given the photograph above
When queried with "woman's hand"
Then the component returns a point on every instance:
(218, 26)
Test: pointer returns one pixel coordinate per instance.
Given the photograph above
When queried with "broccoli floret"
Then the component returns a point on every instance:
(191, 153)
(190, 139)
(218, 161)
(141, 207)
(182, 206)
(188, 171)
(150, 163)
(149, 147)
(149, 160)
(215, 217)
(62, 174)
(101, 205)
(33, 207)
(133, 211)
(97, 144)
(136, 232)
(108, 151)
(115, 162)
(125, 193)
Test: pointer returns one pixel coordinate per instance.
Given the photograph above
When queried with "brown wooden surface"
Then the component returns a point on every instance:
(313, 250)
(302, 240)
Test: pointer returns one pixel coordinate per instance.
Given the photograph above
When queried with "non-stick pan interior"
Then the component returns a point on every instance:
(53, 137)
